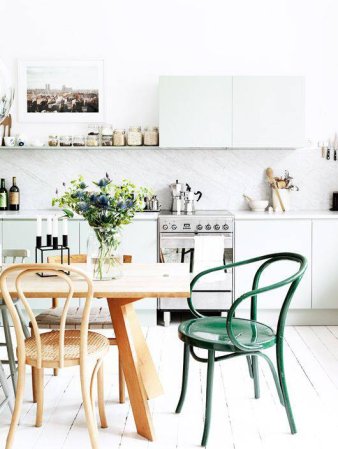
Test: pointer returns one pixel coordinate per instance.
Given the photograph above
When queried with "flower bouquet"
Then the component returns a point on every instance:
(107, 207)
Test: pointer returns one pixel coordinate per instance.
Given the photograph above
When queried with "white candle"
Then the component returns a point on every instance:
(49, 225)
(55, 226)
(38, 226)
(65, 226)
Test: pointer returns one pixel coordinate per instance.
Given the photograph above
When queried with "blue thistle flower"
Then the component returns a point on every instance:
(103, 201)
(82, 185)
(83, 206)
(103, 182)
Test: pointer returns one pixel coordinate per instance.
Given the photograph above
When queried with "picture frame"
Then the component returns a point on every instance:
(60, 91)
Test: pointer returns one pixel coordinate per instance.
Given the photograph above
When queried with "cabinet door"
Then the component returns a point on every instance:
(255, 238)
(268, 111)
(138, 239)
(195, 111)
(324, 269)
(20, 234)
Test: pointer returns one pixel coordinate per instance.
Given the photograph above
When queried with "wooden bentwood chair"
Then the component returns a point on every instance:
(58, 348)
(239, 336)
(99, 319)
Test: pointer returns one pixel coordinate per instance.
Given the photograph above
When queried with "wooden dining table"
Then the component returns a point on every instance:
(138, 281)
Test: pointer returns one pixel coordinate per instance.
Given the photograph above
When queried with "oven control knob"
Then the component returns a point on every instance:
(208, 227)
(165, 227)
(225, 227)
(173, 227)
(199, 227)
(217, 227)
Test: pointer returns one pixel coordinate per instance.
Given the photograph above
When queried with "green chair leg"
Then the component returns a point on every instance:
(282, 380)
(185, 374)
(23, 321)
(208, 403)
(255, 372)
(10, 350)
(6, 390)
(248, 359)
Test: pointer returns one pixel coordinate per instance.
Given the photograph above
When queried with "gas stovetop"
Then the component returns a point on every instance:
(197, 213)
(206, 221)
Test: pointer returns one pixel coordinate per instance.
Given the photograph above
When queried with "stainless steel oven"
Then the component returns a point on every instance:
(176, 244)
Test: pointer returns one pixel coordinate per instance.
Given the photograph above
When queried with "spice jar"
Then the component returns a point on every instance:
(53, 140)
(119, 138)
(135, 136)
(107, 136)
(79, 141)
(66, 141)
(151, 136)
(93, 140)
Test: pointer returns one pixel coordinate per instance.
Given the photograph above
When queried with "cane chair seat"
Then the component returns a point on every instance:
(98, 346)
(99, 318)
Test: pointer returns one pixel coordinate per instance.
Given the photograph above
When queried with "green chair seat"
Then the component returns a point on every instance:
(211, 333)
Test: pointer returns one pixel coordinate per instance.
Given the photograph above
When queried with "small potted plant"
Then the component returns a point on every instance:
(107, 207)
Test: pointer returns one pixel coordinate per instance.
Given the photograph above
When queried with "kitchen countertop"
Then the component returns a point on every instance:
(33, 214)
(289, 215)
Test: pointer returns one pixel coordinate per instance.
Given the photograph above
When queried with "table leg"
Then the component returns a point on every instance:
(122, 317)
(150, 378)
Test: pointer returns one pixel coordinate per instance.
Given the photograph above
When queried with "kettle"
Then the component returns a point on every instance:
(190, 199)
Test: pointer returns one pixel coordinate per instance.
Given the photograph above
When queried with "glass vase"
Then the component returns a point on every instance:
(103, 261)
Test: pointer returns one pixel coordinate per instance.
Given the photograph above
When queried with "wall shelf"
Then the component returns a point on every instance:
(128, 148)
(106, 148)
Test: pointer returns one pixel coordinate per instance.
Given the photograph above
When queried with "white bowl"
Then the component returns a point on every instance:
(258, 205)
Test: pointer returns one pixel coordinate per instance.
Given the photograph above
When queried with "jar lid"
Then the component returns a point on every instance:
(135, 128)
(151, 128)
(118, 131)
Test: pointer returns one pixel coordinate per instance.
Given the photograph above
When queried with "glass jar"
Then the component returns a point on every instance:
(151, 136)
(103, 261)
(135, 136)
(93, 140)
(119, 138)
(66, 141)
(79, 141)
(53, 140)
(107, 136)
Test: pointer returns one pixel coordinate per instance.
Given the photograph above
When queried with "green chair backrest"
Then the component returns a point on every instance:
(268, 259)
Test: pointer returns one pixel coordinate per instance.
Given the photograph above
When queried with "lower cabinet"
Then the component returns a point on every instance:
(259, 237)
(139, 239)
(325, 264)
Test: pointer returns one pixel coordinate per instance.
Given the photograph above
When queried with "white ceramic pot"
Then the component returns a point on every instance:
(285, 197)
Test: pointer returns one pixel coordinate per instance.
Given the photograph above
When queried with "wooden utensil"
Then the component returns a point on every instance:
(272, 181)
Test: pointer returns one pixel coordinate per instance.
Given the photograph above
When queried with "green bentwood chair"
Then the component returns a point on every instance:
(239, 336)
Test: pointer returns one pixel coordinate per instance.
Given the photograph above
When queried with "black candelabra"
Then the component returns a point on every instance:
(52, 245)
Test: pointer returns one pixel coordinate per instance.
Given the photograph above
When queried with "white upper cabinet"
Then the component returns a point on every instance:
(268, 112)
(238, 112)
(195, 111)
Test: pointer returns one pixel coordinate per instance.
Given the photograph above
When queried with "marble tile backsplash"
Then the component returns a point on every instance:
(222, 175)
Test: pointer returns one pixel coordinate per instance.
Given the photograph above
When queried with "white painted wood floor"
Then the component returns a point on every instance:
(239, 421)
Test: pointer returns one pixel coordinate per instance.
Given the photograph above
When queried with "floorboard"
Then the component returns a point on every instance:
(239, 420)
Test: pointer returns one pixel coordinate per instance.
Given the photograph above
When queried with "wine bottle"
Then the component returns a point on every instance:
(14, 196)
(3, 196)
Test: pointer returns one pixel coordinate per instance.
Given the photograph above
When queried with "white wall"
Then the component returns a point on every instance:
(142, 39)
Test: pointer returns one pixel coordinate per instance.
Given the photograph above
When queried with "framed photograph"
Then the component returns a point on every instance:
(60, 91)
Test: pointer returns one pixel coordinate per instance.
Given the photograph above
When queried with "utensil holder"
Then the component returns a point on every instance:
(285, 197)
